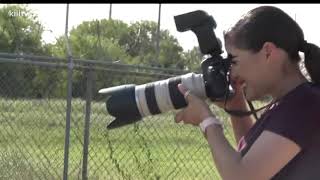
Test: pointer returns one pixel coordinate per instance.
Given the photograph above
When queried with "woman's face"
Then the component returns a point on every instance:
(251, 68)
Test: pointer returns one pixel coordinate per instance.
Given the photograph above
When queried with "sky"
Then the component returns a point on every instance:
(53, 17)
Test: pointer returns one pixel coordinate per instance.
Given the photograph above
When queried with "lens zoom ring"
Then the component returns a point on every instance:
(151, 99)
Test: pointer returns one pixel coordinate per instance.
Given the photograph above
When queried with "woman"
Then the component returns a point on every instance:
(285, 141)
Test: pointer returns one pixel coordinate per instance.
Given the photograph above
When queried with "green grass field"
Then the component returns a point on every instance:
(32, 134)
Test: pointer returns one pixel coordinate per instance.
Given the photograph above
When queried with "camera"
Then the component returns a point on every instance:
(130, 103)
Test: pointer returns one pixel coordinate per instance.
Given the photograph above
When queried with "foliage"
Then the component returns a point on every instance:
(20, 33)
(102, 40)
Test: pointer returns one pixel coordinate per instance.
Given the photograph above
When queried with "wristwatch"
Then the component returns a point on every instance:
(209, 121)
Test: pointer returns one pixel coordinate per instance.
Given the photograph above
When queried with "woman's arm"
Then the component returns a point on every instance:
(240, 125)
(267, 156)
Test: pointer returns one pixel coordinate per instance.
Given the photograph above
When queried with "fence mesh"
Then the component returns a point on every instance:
(33, 126)
(33, 102)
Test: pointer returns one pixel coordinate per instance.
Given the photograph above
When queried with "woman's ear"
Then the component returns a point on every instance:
(269, 49)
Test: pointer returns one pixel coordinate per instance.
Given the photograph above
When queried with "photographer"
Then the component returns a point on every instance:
(284, 143)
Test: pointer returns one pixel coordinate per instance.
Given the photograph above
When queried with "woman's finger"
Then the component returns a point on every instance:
(186, 93)
(179, 116)
(182, 89)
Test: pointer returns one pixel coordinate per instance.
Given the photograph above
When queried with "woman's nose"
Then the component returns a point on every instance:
(233, 72)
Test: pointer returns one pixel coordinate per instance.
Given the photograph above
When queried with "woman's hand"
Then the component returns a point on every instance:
(196, 111)
(238, 101)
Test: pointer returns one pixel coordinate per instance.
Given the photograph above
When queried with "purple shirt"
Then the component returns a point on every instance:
(296, 117)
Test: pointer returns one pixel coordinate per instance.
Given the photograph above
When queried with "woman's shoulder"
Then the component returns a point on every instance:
(297, 115)
(303, 99)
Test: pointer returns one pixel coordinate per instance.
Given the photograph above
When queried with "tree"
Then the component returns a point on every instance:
(193, 59)
(94, 40)
(20, 32)
(114, 40)
(141, 45)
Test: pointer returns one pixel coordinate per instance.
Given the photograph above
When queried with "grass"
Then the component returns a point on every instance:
(32, 135)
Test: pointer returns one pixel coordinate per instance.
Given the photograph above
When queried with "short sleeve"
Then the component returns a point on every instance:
(297, 119)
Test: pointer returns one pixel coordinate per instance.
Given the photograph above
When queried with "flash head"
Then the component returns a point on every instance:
(202, 25)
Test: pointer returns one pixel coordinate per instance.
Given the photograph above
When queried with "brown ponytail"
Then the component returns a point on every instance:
(312, 60)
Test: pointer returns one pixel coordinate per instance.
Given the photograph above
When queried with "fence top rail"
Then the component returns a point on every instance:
(85, 62)
(96, 68)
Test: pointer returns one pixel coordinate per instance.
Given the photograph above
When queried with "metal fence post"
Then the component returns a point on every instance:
(87, 124)
(69, 97)
(158, 34)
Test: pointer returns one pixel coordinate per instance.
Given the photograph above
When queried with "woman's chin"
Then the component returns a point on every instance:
(250, 96)
(253, 97)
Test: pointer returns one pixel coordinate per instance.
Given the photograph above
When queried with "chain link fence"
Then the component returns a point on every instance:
(49, 131)
(33, 126)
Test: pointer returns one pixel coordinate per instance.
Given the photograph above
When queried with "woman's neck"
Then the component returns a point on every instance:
(286, 84)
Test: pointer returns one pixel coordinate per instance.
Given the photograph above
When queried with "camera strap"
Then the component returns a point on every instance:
(241, 113)
(253, 111)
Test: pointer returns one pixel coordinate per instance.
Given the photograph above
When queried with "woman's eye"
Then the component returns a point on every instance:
(233, 62)
(230, 56)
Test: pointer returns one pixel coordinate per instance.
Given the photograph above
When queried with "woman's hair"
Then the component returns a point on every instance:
(271, 24)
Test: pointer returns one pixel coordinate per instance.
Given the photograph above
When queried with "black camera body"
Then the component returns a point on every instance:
(161, 96)
(215, 68)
